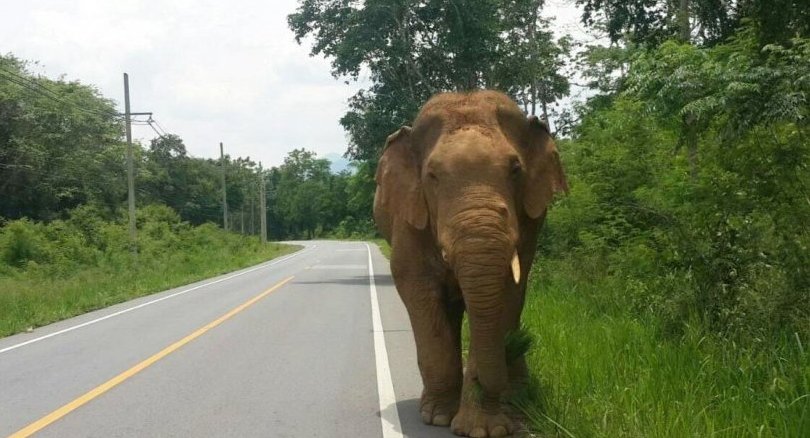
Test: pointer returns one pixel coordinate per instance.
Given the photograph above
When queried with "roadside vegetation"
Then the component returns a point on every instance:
(53, 271)
(671, 295)
(601, 367)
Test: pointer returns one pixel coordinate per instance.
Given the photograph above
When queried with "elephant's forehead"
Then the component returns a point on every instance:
(465, 115)
(472, 146)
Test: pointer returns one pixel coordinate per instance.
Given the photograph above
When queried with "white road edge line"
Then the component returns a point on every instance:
(148, 303)
(389, 415)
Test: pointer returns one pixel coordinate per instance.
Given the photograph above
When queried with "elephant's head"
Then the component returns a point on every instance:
(476, 172)
(473, 169)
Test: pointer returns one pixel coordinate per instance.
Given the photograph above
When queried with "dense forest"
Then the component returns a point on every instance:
(687, 224)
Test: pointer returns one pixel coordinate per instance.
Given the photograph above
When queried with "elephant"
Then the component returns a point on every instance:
(460, 197)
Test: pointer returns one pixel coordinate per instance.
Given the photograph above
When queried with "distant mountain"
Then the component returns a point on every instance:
(339, 163)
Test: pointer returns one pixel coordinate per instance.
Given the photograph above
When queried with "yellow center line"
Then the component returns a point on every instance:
(43, 422)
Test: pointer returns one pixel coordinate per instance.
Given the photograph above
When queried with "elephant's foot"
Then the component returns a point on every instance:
(438, 410)
(473, 422)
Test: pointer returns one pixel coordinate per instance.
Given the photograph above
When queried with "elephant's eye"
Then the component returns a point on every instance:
(432, 176)
(516, 169)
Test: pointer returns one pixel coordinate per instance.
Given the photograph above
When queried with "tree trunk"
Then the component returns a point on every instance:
(530, 34)
(543, 100)
(685, 32)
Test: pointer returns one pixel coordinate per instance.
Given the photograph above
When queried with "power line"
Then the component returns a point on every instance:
(27, 82)
(151, 125)
(160, 126)
(156, 127)
(47, 92)
(44, 91)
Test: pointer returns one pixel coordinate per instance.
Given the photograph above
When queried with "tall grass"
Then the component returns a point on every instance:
(601, 369)
(54, 271)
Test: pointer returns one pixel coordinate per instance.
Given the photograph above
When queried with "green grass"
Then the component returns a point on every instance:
(39, 294)
(603, 371)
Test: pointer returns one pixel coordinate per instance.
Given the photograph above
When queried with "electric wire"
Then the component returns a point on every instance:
(165, 132)
(44, 91)
(47, 92)
(151, 125)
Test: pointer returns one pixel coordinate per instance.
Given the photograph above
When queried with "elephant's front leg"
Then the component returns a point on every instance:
(436, 324)
(485, 379)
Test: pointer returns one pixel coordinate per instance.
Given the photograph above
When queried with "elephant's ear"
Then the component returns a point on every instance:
(399, 188)
(545, 175)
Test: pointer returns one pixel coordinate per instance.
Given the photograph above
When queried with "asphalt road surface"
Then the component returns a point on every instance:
(287, 348)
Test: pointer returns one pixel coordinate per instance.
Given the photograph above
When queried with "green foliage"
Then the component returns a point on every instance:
(308, 201)
(21, 244)
(672, 289)
(651, 22)
(53, 155)
(729, 242)
(66, 267)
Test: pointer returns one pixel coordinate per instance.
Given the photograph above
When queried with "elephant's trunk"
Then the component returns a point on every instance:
(481, 257)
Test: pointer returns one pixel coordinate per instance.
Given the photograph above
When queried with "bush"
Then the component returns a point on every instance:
(22, 242)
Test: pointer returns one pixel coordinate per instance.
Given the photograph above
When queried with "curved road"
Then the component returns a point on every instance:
(283, 349)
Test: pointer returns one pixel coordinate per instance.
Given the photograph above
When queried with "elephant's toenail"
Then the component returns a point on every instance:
(426, 417)
(478, 432)
(441, 420)
(498, 431)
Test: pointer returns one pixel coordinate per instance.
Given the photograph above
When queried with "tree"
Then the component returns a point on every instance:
(531, 65)
(413, 49)
(306, 196)
(59, 146)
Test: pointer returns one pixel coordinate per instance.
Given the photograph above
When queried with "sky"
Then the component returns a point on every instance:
(210, 71)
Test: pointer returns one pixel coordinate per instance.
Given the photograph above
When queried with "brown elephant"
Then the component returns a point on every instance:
(461, 197)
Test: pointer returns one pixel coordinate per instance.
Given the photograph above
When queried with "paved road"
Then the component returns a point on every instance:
(282, 349)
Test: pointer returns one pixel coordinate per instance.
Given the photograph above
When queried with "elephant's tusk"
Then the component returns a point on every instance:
(516, 268)
(444, 255)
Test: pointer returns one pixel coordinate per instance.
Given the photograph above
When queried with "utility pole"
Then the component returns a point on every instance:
(262, 207)
(130, 170)
(224, 191)
(130, 166)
